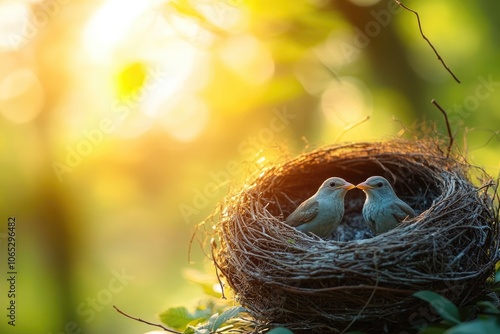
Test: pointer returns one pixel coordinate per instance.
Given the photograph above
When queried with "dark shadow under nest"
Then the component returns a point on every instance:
(355, 281)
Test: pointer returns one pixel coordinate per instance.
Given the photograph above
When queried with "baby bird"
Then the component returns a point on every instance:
(383, 210)
(321, 213)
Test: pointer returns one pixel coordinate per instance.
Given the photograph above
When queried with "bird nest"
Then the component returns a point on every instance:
(353, 280)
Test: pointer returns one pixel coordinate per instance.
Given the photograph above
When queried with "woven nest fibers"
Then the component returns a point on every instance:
(353, 280)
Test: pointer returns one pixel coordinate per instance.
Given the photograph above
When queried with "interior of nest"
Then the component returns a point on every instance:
(413, 182)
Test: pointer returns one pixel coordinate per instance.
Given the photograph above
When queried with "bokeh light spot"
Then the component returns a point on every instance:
(250, 60)
(21, 96)
(109, 26)
(131, 79)
(365, 3)
(186, 121)
(346, 101)
(13, 19)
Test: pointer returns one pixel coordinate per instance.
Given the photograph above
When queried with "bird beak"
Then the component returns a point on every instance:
(363, 186)
(348, 186)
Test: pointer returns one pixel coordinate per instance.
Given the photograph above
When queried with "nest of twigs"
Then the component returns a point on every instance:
(355, 281)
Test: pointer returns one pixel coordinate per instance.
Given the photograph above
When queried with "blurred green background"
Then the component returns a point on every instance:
(123, 123)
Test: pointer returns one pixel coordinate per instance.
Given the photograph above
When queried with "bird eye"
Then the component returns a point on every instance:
(380, 184)
(332, 184)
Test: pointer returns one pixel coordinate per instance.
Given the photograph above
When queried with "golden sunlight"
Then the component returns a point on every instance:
(21, 96)
(346, 101)
(154, 58)
(109, 26)
(134, 132)
(248, 58)
(13, 18)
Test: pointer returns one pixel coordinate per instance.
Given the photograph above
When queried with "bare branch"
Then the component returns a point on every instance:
(349, 127)
(146, 322)
(427, 40)
(216, 265)
(450, 136)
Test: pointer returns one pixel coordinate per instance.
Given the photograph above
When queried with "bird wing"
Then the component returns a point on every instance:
(402, 210)
(372, 225)
(304, 213)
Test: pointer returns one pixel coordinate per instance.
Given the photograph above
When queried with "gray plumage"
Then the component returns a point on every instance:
(383, 210)
(321, 213)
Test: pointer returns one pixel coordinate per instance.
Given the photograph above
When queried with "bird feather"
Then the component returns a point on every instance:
(304, 213)
(402, 211)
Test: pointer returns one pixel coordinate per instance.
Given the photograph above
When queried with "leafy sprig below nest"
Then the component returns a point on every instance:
(355, 281)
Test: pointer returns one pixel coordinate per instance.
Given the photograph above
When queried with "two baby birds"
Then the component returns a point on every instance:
(321, 213)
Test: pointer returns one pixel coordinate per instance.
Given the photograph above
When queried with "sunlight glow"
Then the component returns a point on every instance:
(248, 58)
(222, 14)
(13, 18)
(186, 121)
(21, 96)
(134, 125)
(261, 160)
(109, 26)
(365, 3)
(217, 288)
(121, 36)
(346, 101)
(177, 66)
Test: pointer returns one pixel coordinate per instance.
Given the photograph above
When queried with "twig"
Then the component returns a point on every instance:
(448, 128)
(488, 185)
(146, 322)
(191, 241)
(496, 196)
(349, 127)
(427, 40)
(216, 265)
(369, 298)
(494, 134)
(334, 72)
(404, 128)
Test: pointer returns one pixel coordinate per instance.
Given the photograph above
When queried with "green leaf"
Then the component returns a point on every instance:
(478, 326)
(205, 281)
(201, 330)
(280, 330)
(219, 320)
(443, 306)
(468, 313)
(497, 277)
(433, 330)
(177, 317)
(200, 315)
(189, 330)
(211, 322)
(488, 306)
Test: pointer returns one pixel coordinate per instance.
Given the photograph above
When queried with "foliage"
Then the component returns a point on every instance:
(457, 321)
(214, 314)
(280, 330)
(206, 319)
(446, 309)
